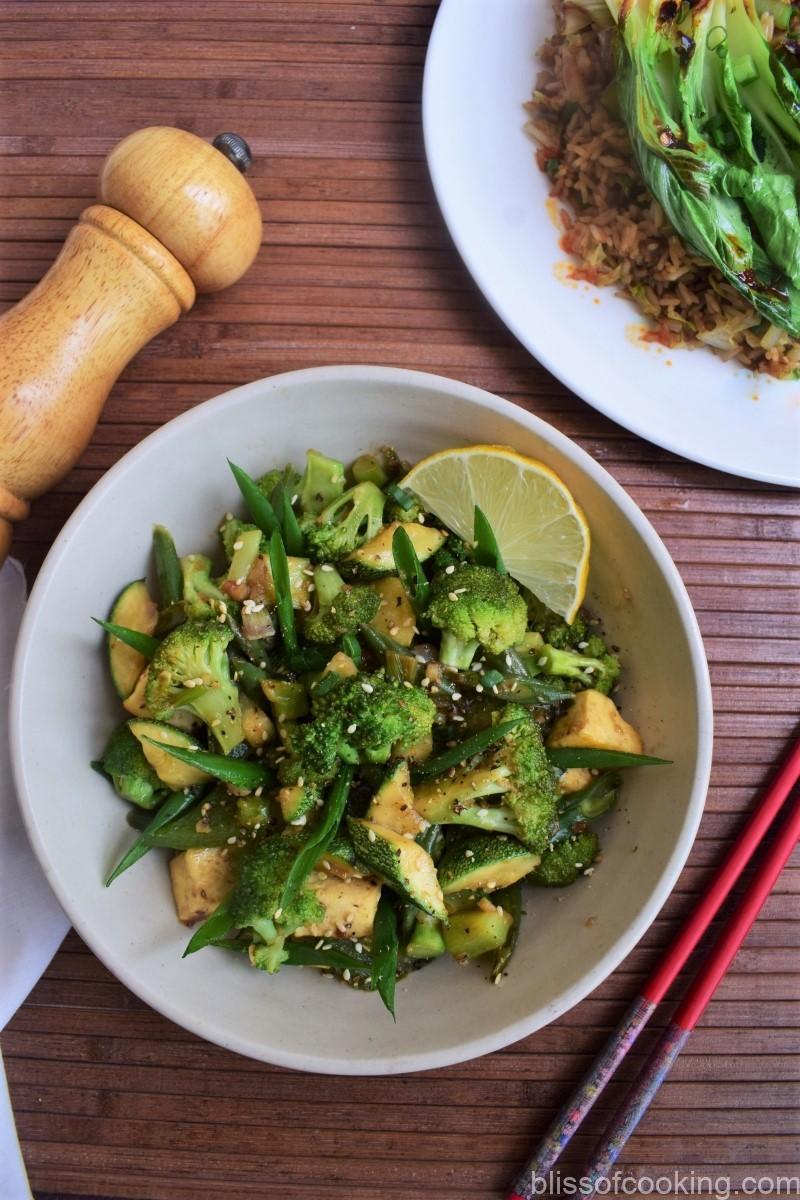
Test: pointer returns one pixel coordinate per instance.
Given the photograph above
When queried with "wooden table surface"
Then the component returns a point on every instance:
(111, 1099)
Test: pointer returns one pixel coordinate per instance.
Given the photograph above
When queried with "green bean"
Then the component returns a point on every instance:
(258, 505)
(174, 805)
(169, 576)
(586, 756)
(409, 568)
(283, 591)
(368, 469)
(240, 772)
(142, 642)
(486, 552)
(592, 798)
(352, 648)
(399, 663)
(219, 823)
(385, 946)
(464, 750)
(335, 953)
(213, 928)
(510, 900)
(293, 538)
(317, 843)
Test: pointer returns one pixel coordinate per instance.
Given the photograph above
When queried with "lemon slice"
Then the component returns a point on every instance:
(542, 533)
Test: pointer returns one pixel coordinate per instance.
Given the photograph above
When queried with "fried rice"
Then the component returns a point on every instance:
(618, 234)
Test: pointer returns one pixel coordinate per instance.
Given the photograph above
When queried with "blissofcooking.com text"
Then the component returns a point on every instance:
(671, 1184)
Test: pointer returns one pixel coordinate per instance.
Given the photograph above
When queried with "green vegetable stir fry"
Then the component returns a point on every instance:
(360, 735)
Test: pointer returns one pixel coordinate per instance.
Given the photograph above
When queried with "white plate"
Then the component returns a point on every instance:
(63, 708)
(479, 71)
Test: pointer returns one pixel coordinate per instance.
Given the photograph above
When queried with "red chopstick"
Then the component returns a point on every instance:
(641, 1009)
(674, 1037)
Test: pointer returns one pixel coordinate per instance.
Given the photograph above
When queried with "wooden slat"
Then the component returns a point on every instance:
(112, 1100)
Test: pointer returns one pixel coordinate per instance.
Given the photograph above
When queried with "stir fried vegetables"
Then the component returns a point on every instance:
(356, 731)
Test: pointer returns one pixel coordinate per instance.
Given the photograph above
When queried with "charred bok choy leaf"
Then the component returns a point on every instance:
(714, 120)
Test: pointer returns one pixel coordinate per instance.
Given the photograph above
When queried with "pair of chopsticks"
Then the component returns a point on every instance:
(674, 1037)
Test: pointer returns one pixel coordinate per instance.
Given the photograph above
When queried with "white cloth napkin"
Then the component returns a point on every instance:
(33, 924)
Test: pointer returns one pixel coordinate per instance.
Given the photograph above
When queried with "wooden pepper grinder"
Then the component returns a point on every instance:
(176, 217)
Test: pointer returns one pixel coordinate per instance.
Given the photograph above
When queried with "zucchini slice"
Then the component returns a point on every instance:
(171, 771)
(396, 617)
(134, 608)
(475, 932)
(376, 558)
(403, 864)
(393, 803)
(485, 862)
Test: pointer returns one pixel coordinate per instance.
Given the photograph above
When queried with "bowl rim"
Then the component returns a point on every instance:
(543, 1015)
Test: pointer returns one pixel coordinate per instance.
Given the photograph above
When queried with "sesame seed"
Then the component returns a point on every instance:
(421, 518)
(589, 670)
(231, 841)
(346, 974)
(457, 717)
(589, 871)
(216, 722)
(498, 979)
(582, 645)
(500, 909)
(299, 821)
(327, 947)
(259, 791)
(333, 609)
(307, 606)
(368, 688)
(263, 664)
(189, 683)
(459, 591)
(449, 570)
(312, 587)
(469, 854)
(352, 728)
(277, 914)
(542, 661)
(416, 630)
(492, 884)
(508, 660)
(228, 516)
(426, 683)
(371, 835)
(394, 629)
(456, 695)
(478, 687)
(452, 595)
(359, 948)
(407, 683)
(300, 781)
(327, 567)
(319, 944)
(579, 866)
(238, 545)
(495, 689)
(295, 498)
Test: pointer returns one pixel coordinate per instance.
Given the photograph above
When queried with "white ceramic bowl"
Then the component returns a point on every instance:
(63, 707)
(479, 71)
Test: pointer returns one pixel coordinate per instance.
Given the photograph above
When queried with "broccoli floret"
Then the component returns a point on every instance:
(598, 673)
(396, 512)
(322, 482)
(288, 476)
(475, 606)
(131, 774)
(517, 770)
(453, 553)
(339, 608)
(199, 588)
(190, 670)
(377, 716)
(562, 865)
(351, 519)
(561, 636)
(312, 752)
(255, 900)
(230, 530)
